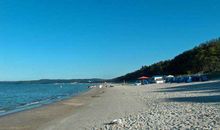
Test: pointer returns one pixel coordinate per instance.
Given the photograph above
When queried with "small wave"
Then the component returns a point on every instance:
(2, 111)
(59, 97)
(33, 103)
(28, 104)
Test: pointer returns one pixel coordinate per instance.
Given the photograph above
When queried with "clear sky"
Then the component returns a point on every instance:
(98, 38)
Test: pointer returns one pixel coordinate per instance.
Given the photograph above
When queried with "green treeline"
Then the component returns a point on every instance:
(204, 59)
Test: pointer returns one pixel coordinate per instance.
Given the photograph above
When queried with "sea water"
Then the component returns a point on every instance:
(19, 97)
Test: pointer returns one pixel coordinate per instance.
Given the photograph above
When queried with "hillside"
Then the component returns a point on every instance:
(204, 58)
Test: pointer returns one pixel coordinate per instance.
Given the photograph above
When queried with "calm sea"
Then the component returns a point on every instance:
(18, 97)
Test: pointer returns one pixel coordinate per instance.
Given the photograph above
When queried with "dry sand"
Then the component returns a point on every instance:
(163, 106)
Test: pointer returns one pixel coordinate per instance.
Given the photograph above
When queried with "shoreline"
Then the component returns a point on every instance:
(40, 104)
(32, 119)
(153, 106)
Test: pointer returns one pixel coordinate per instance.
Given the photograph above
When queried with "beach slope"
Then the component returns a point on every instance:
(155, 106)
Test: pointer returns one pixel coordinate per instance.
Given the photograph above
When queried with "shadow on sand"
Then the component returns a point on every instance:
(199, 99)
(213, 89)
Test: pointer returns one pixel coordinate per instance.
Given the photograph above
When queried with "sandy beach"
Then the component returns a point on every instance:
(34, 118)
(155, 106)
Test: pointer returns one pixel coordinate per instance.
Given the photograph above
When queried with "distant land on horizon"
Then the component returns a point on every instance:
(203, 59)
(50, 81)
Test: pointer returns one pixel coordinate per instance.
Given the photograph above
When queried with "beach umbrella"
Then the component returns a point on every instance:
(143, 78)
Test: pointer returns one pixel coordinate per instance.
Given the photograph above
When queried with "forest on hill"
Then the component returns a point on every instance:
(203, 59)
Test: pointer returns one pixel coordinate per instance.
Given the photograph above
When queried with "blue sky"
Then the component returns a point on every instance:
(98, 38)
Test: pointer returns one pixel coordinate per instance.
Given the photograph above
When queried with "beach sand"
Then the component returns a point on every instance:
(155, 106)
(34, 118)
